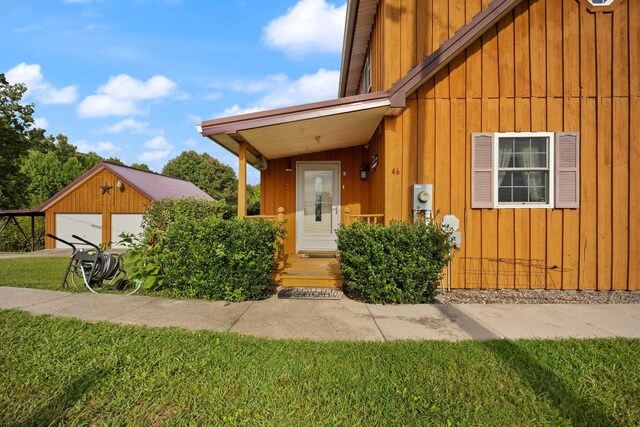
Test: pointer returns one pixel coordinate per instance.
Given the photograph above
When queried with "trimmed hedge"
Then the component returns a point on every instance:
(401, 263)
(220, 259)
(189, 250)
(166, 211)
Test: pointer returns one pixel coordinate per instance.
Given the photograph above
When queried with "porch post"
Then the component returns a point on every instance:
(242, 180)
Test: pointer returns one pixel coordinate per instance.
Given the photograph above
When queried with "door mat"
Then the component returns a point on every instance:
(310, 293)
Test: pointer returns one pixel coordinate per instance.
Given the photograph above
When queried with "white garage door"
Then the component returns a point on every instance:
(87, 226)
(124, 223)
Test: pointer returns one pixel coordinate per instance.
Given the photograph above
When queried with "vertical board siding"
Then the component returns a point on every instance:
(549, 65)
(279, 186)
(88, 198)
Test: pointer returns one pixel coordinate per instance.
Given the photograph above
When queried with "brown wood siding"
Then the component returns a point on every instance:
(88, 198)
(550, 65)
(278, 187)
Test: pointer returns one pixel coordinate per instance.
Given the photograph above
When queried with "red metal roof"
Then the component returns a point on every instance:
(152, 185)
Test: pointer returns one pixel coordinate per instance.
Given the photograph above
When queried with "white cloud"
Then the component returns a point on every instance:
(103, 148)
(104, 105)
(190, 142)
(122, 95)
(43, 91)
(213, 96)
(41, 122)
(308, 26)
(154, 156)
(158, 143)
(282, 92)
(131, 125)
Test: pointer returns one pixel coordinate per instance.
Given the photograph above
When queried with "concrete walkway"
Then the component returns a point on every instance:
(339, 320)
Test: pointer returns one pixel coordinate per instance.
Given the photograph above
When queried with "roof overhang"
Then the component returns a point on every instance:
(309, 128)
(357, 33)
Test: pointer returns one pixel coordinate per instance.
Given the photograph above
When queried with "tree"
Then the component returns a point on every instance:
(16, 124)
(141, 166)
(48, 174)
(253, 199)
(209, 174)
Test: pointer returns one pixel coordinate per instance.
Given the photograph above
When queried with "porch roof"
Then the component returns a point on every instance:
(308, 128)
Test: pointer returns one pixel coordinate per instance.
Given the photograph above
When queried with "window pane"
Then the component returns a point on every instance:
(504, 179)
(505, 159)
(520, 194)
(520, 179)
(504, 194)
(539, 144)
(523, 145)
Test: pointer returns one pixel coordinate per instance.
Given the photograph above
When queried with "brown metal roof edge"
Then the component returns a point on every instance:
(448, 50)
(347, 44)
(21, 212)
(270, 117)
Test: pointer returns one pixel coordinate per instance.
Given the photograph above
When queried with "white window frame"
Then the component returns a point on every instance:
(496, 171)
(365, 78)
(606, 3)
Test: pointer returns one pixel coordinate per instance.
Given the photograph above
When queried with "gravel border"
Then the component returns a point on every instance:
(535, 296)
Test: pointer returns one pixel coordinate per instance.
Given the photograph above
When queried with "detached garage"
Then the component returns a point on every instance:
(108, 200)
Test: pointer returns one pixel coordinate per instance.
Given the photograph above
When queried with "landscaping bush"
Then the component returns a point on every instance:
(166, 211)
(218, 259)
(401, 263)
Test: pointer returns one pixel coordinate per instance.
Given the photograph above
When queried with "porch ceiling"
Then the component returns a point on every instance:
(301, 137)
(340, 123)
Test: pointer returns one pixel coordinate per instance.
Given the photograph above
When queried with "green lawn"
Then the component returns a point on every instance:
(41, 273)
(63, 371)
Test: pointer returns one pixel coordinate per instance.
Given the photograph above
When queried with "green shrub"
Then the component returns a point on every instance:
(144, 265)
(164, 212)
(401, 263)
(215, 258)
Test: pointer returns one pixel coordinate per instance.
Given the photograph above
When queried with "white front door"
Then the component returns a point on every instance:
(317, 205)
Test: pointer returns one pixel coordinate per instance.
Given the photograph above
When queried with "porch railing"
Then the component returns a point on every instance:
(350, 218)
(279, 217)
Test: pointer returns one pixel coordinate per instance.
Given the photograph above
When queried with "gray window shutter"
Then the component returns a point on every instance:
(567, 170)
(482, 170)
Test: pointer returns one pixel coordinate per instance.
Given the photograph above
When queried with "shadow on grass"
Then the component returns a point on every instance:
(545, 383)
(54, 410)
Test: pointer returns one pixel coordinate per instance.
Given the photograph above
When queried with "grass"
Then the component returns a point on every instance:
(41, 273)
(65, 371)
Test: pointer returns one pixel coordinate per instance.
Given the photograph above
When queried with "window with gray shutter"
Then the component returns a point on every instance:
(482, 170)
(567, 170)
(525, 169)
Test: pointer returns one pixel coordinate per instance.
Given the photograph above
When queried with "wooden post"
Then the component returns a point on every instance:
(346, 216)
(281, 215)
(33, 234)
(242, 180)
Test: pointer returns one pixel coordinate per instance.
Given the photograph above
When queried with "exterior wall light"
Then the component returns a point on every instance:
(120, 185)
(363, 171)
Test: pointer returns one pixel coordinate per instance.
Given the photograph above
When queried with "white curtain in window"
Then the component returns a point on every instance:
(506, 152)
(526, 159)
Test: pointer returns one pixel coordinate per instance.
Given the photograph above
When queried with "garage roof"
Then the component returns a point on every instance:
(150, 184)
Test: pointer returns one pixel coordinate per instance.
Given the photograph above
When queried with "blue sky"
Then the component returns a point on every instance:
(131, 78)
